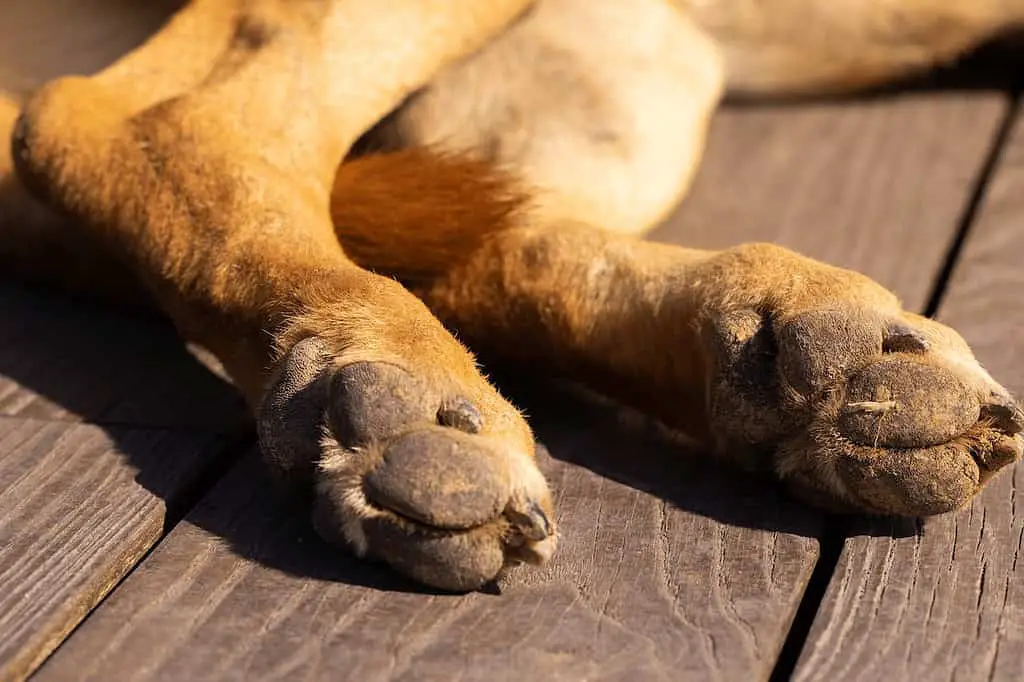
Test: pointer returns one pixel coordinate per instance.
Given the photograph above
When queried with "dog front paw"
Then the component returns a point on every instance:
(408, 466)
(857, 405)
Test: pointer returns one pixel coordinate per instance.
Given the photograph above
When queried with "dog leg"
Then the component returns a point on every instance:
(776, 361)
(37, 247)
(218, 200)
(36, 243)
(782, 47)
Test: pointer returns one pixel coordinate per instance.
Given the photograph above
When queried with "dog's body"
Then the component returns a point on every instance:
(202, 170)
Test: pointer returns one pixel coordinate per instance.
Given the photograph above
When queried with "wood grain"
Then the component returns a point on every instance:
(946, 603)
(669, 569)
(860, 184)
(647, 584)
(78, 508)
(69, 360)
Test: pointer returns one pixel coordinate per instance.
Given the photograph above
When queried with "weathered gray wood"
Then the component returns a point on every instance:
(860, 184)
(631, 594)
(947, 604)
(667, 570)
(69, 360)
(78, 508)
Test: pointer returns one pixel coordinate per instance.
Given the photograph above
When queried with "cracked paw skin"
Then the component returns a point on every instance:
(866, 410)
(407, 469)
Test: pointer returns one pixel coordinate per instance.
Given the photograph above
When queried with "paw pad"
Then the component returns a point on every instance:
(872, 410)
(403, 470)
(435, 478)
(905, 404)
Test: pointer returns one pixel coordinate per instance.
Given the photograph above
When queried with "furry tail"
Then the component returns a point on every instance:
(415, 213)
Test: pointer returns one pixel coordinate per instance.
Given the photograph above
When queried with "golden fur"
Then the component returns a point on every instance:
(200, 173)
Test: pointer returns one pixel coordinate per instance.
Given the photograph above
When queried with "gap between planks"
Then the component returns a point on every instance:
(943, 601)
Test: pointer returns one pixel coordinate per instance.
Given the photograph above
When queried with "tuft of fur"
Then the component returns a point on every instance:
(412, 214)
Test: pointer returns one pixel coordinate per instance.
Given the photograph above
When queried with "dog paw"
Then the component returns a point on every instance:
(408, 467)
(863, 408)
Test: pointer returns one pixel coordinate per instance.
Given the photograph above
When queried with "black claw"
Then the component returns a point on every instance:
(462, 415)
(1006, 416)
(902, 338)
(540, 519)
(533, 523)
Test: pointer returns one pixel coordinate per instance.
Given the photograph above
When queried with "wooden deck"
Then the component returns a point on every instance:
(139, 539)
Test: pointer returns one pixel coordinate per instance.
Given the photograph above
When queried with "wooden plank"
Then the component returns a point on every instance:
(859, 184)
(946, 603)
(78, 508)
(242, 589)
(69, 360)
(667, 570)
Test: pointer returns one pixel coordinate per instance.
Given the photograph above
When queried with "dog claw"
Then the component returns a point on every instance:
(462, 415)
(902, 338)
(532, 523)
(1005, 416)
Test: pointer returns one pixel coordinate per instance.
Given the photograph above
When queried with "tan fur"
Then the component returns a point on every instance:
(202, 170)
(798, 46)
